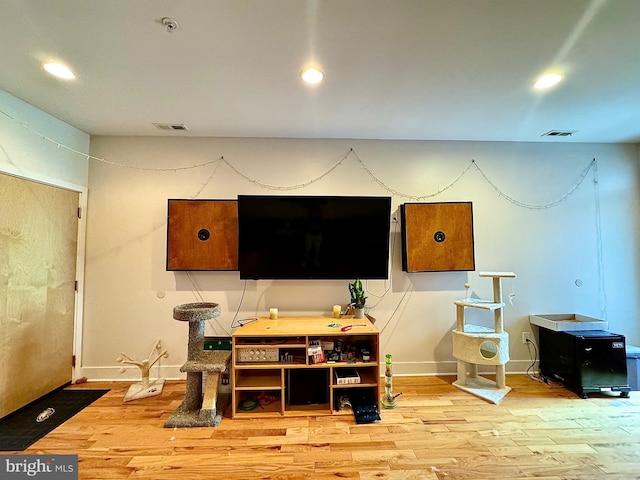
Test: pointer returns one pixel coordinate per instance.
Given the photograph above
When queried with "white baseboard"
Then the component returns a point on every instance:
(113, 374)
(449, 368)
(172, 372)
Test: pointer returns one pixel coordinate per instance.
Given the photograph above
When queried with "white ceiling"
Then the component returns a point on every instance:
(396, 69)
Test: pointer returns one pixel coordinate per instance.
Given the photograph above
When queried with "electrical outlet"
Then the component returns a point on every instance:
(526, 336)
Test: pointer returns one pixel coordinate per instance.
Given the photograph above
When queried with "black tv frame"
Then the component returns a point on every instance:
(292, 237)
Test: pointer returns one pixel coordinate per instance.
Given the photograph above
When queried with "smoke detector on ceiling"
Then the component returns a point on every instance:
(559, 133)
(170, 23)
(171, 126)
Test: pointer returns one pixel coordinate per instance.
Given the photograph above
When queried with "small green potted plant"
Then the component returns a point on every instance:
(358, 298)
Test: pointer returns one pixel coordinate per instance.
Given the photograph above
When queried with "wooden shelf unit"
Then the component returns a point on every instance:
(271, 362)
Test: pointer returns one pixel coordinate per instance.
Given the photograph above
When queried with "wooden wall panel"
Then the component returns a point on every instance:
(437, 237)
(202, 235)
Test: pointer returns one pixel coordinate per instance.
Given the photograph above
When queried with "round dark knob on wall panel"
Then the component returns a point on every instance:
(439, 236)
(204, 234)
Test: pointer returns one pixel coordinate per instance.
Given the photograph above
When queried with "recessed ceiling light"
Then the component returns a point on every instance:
(548, 80)
(312, 75)
(59, 70)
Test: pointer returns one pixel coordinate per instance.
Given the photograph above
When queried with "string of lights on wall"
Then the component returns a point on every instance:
(600, 255)
(350, 153)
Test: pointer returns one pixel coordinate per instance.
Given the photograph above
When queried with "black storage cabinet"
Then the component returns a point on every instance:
(585, 361)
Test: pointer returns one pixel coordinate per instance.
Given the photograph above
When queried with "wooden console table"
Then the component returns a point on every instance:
(276, 371)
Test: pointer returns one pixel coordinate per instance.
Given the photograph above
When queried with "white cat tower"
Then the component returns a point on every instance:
(475, 345)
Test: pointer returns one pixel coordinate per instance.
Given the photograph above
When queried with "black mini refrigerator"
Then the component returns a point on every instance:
(585, 361)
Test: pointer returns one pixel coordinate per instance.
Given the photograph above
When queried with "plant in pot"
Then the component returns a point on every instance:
(358, 299)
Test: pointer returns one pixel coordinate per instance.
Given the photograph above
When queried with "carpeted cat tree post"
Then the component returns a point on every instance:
(198, 409)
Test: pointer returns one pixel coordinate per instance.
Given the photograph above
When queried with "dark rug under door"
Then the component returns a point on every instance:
(24, 427)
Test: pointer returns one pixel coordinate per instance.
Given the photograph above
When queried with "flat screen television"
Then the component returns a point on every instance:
(313, 237)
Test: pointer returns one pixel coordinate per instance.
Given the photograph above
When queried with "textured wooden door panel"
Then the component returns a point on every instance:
(38, 251)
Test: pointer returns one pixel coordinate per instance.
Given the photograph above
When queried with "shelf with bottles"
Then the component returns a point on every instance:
(356, 349)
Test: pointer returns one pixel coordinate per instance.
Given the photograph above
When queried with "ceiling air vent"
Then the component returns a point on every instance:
(559, 133)
(171, 126)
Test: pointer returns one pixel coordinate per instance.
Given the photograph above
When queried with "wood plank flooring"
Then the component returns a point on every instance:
(437, 432)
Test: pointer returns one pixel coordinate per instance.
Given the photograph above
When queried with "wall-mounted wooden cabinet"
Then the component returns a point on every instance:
(437, 237)
(202, 235)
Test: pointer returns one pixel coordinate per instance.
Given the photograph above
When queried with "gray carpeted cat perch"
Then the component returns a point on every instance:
(198, 410)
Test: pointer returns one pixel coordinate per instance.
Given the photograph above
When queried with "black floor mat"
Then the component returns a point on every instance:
(24, 427)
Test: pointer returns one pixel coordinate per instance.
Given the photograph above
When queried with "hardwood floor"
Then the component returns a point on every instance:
(437, 432)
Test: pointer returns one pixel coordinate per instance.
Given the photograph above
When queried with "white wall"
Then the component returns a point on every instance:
(29, 148)
(549, 249)
(39, 147)
(130, 297)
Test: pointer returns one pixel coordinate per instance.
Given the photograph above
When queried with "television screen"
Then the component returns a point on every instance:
(313, 237)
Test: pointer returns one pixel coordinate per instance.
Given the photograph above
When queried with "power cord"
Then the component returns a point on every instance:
(392, 254)
(196, 293)
(244, 321)
(537, 378)
(534, 359)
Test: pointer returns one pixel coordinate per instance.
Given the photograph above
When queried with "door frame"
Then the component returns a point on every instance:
(76, 369)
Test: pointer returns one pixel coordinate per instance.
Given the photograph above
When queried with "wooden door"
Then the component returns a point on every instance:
(38, 252)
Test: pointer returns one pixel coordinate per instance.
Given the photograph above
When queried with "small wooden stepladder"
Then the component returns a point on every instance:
(475, 345)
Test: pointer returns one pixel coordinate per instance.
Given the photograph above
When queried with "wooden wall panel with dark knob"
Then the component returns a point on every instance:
(437, 237)
(202, 235)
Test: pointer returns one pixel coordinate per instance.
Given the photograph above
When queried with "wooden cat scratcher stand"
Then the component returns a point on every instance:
(475, 345)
